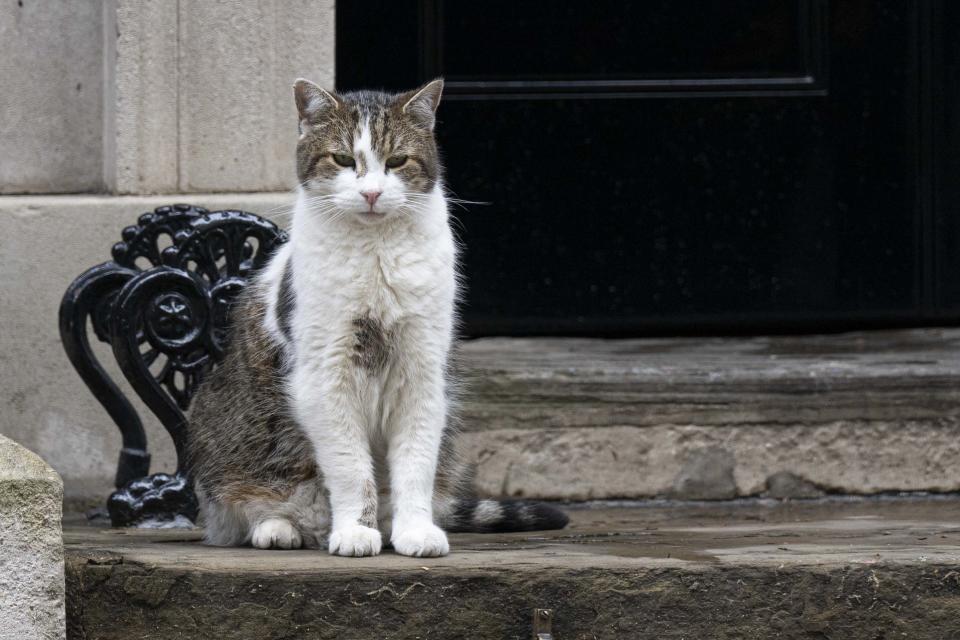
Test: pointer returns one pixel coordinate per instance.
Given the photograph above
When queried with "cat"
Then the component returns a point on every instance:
(330, 421)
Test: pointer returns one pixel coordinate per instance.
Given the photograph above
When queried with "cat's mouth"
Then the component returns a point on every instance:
(371, 214)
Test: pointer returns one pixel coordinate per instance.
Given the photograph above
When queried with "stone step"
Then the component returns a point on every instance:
(835, 568)
(714, 418)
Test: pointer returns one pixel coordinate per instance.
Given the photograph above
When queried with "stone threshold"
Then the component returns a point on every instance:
(798, 569)
(714, 418)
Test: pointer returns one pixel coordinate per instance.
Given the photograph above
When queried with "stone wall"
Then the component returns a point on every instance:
(109, 102)
(200, 99)
(51, 101)
(138, 97)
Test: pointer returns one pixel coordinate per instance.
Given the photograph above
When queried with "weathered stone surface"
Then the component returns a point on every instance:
(142, 90)
(31, 547)
(51, 97)
(785, 485)
(633, 462)
(706, 474)
(237, 62)
(713, 418)
(45, 242)
(535, 383)
(841, 569)
(199, 94)
(156, 97)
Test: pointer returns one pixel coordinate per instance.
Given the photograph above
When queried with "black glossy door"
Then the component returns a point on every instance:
(687, 166)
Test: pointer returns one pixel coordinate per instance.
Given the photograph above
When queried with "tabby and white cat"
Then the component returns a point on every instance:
(329, 421)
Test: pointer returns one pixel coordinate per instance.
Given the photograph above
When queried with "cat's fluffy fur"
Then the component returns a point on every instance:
(329, 420)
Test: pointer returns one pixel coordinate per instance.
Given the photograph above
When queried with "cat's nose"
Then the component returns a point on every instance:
(371, 196)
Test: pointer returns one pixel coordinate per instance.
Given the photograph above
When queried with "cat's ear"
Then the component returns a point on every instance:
(421, 104)
(313, 102)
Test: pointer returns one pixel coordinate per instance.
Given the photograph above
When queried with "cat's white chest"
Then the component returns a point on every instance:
(408, 282)
(391, 280)
(392, 277)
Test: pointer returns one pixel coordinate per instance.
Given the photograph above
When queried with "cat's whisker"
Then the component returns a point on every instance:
(458, 224)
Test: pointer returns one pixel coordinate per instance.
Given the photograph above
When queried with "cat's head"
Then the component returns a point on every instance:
(368, 154)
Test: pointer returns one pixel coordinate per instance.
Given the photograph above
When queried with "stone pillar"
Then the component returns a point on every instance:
(31, 547)
(198, 94)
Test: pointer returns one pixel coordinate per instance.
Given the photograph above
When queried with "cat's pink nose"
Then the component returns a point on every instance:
(371, 196)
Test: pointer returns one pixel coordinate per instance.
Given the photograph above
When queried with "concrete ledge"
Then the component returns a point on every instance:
(702, 418)
(31, 547)
(841, 569)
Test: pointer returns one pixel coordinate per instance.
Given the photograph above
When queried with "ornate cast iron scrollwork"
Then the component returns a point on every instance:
(162, 304)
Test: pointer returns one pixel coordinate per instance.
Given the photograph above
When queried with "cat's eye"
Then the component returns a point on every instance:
(396, 161)
(343, 160)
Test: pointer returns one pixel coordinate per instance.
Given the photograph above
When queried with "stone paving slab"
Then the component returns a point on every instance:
(878, 568)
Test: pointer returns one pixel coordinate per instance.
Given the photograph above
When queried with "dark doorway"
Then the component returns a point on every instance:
(676, 166)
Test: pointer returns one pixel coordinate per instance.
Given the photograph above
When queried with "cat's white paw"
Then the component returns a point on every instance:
(354, 540)
(423, 539)
(276, 533)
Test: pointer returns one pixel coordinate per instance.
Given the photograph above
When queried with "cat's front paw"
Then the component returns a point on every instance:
(275, 533)
(354, 540)
(422, 540)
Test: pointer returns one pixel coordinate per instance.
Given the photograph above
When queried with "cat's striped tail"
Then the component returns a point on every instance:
(501, 516)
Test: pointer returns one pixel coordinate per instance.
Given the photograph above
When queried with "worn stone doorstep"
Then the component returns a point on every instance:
(840, 568)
